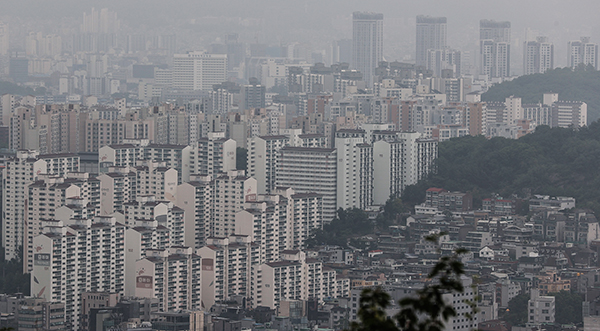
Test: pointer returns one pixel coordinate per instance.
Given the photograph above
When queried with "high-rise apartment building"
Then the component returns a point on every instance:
(431, 35)
(295, 277)
(367, 43)
(4, 38)
(165, 212)
(582, 52)
(82, 256)
(195, 198)
(46, 195)
(494, 48)
(135, 151)
(263, 157)
(231, 190)
(19, 173)
(538, 56)
(444, 59)
(198, 70)
(226, 268)
(173, 276)
(213, 155)
(252, 96)
(310, 170)
(354, 169)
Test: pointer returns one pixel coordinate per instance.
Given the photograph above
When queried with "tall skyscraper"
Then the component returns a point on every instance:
(538, 56)
(582, 51)
(431, 34)
(4, 37)
(494, 48)
(367, 43)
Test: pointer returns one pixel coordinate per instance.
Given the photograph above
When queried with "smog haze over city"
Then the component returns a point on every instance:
(299, 165)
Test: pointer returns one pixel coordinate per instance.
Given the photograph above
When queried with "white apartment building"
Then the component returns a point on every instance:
(538, 56)
(538, 114)
(294, 278)
(354, 169)
(227, 264)
(212, 155)
(147, 207)
(222, 101)
(387, 169)
(231, 190)
(195, 198)
(582, 52)
(540, 308)
(18, 174)
(567, 114)
(310, 170)
(260, 221)
(129, 154)
(307, 211)
(142, 236)
(82, 256)
(263, 156)
(154, 178)
(173, 276)
(427, 152)
(46, 195)
(198, 70)
(116, 188)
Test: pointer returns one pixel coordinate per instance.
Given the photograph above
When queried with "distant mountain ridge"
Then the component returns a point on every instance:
(579, 84)
(550, 161)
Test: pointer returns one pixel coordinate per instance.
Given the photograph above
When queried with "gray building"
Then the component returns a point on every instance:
(367, 43)
(431, 34)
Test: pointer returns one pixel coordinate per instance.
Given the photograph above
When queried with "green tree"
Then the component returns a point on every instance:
(241, 161)
(349, 223)
(568, 307)
(516, 314)
(427, 311)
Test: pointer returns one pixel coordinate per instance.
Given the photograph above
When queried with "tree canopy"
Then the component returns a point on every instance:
(568, 307)
(550, 161)
(348, 224)
(579, 84)
(516, 314)
(10, 88)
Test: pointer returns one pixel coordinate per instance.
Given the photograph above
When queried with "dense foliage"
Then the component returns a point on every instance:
(10, 88)
(427, 311)
(349, 223)
(12, 279)
(579, 84)
(551, 161)
(516, 314)
(568, 307)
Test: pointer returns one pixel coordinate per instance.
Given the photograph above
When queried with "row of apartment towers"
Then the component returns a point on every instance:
(433, 52)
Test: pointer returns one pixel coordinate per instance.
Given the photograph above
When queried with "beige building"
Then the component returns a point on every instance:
(295, 277)
(173, 276)
(83, 256)
(212, 155)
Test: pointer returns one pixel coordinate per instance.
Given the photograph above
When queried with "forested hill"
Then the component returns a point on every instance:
(581, 84)
(550, 161)
(10, 88)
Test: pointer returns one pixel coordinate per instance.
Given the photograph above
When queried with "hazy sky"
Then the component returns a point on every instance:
(319, 21)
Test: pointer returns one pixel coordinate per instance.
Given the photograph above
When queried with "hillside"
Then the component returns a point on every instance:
(10, 88)
(581, 84)
(551, 161)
